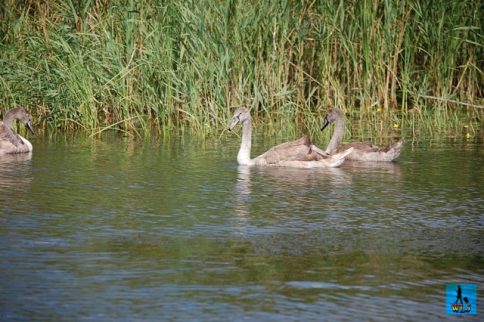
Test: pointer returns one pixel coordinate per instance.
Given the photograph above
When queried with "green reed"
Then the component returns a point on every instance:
(397, 67)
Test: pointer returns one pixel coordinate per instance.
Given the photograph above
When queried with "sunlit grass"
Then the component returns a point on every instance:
(142, 67)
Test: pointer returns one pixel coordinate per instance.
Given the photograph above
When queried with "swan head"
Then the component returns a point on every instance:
(240, 116)
(20, 114)
(332, 115)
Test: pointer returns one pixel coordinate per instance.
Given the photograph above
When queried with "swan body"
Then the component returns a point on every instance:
(362, 151)
(297, 154)
(10, 141)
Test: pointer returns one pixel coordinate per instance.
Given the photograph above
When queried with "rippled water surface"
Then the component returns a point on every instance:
(146, 230)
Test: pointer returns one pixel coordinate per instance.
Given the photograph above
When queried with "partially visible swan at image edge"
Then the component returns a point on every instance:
(10, 141)
(362, 151)
(296, 154)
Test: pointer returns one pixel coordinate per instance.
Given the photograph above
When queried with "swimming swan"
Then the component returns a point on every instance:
(11, 142)
(362, 151)
(297, 154)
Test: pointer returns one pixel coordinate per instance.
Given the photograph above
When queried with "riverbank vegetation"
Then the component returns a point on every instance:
(142, 66)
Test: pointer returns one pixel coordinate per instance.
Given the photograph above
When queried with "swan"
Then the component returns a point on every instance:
(10, 141)
(362, 151)
(297, 154)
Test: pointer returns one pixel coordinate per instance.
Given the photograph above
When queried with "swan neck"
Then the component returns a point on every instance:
(243, 157)
(9, 118)
(337, 138)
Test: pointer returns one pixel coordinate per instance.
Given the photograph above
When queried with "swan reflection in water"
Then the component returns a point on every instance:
(372, 168)
(283, 181)
(295, 184)
(291, 179)
(15, 172)
(242, 191)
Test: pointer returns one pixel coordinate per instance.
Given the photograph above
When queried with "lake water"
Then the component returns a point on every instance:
(122, 229)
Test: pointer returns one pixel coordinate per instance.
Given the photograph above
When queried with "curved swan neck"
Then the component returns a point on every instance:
(337, 138)
(243, 157)
(16, 113)
(9, 118)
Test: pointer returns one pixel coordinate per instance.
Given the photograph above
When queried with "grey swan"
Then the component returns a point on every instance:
(362, 151)
(10, 141)
(296, 154)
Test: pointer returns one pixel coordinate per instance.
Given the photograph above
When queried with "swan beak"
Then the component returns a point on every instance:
(233, 123)
(28, 125)
(325, 124)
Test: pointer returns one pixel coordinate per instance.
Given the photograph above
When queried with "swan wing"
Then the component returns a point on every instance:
(297, 150)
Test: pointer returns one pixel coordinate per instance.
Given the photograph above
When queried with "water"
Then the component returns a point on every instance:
(119, 229)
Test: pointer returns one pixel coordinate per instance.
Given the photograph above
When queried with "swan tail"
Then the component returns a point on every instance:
(394, 151)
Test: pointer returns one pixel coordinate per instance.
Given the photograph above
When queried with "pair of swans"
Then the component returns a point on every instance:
(10, 141)
(302, 153)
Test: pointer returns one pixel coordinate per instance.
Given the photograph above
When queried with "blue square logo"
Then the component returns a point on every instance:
(460, 299)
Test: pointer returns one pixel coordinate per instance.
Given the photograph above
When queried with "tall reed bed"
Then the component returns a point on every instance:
(138, 66)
